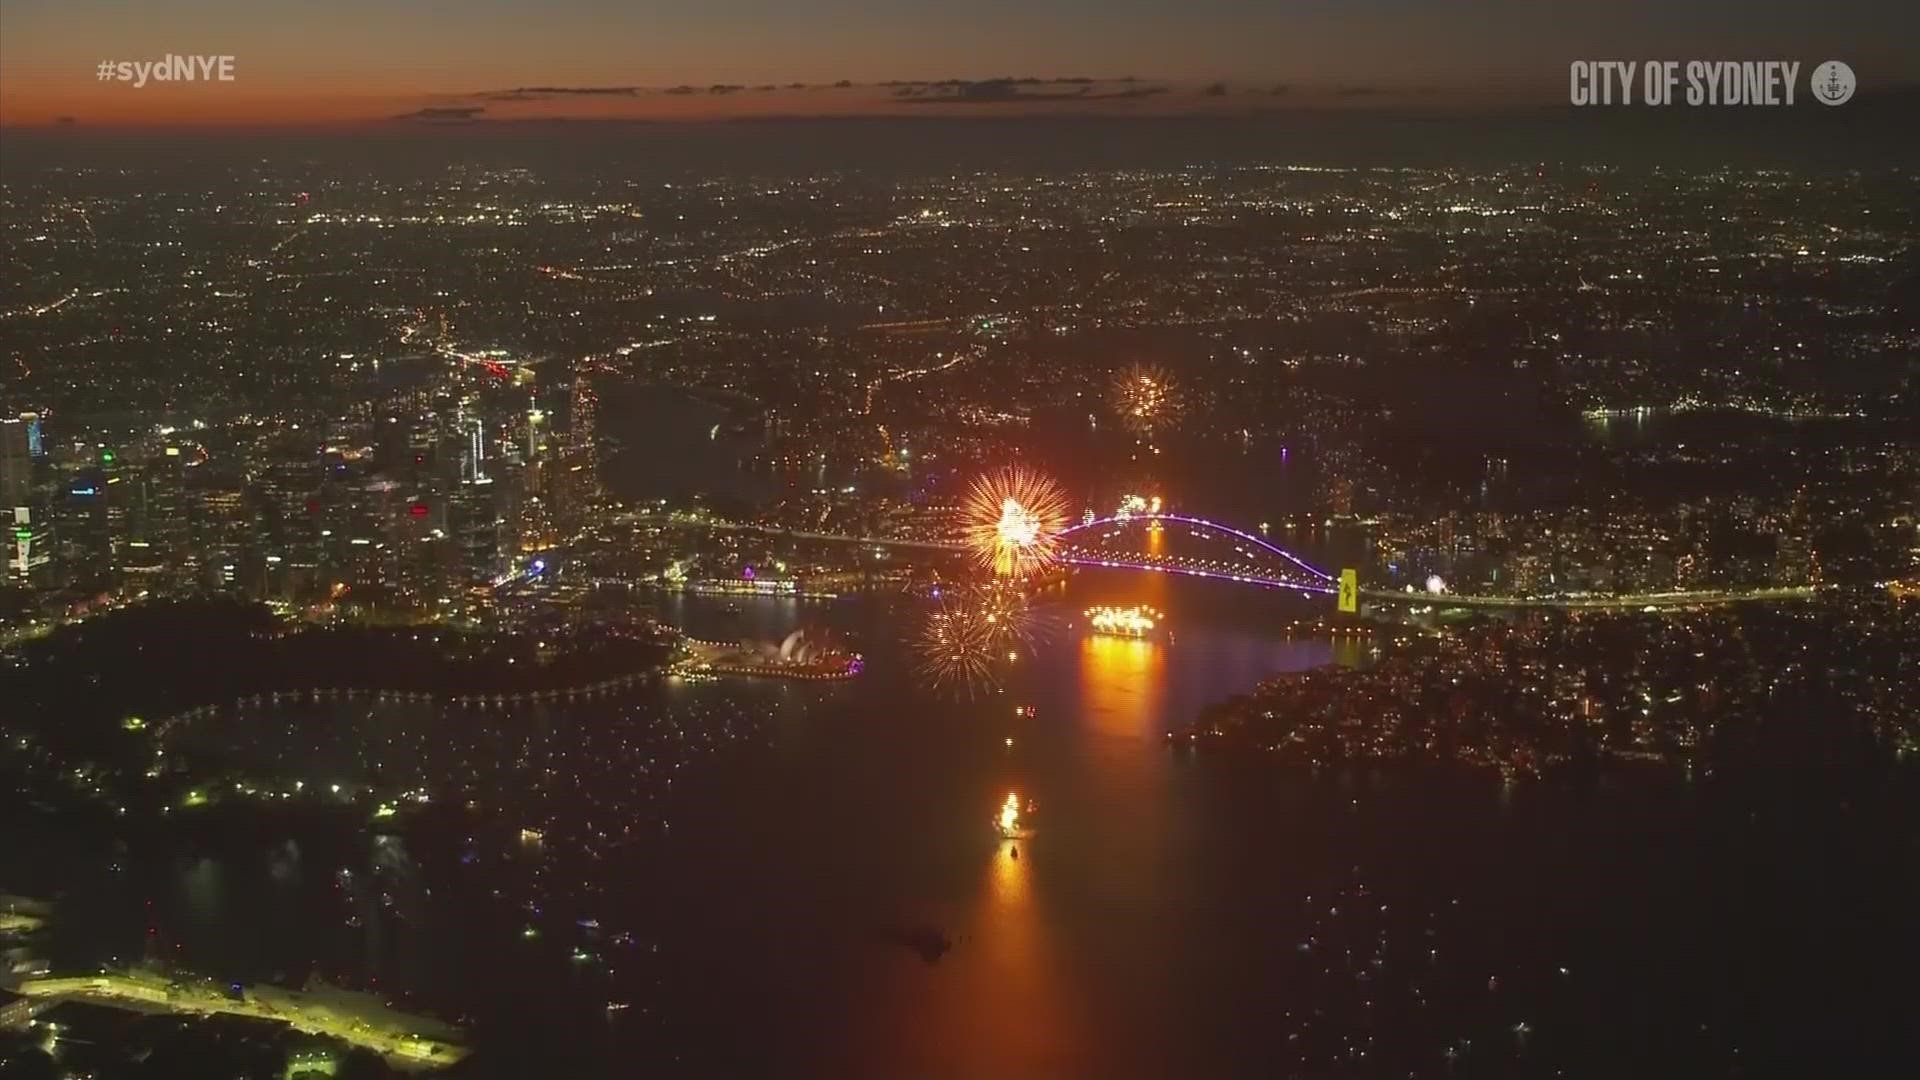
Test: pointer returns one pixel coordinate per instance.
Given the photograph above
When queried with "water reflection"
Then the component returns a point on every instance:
(1081, 915)
(1008, 998)
(1008, 887)
(1124, 685)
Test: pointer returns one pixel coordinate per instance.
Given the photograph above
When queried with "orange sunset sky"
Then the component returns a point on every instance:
(360, 62)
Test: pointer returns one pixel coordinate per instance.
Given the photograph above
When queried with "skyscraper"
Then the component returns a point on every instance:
(16, 463)
(474, 459)
(536, 483)
(36, 449)
(578, 484)
(583, 449)
(535, 433)
(29, 548)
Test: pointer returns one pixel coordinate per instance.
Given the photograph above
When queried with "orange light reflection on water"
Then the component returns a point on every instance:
(1125, 684)
(1000, 1002)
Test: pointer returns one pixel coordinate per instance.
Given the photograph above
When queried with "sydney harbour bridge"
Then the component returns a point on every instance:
(1195, 547)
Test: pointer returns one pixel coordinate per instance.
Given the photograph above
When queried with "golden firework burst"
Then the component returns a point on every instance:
(956, 649)
(1012, 519)
(1144, 396)
(1013, 624)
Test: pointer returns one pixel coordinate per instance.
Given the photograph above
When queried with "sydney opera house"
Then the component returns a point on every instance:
(802, 654)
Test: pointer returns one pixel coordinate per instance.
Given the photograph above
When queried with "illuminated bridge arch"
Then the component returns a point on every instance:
(1116, 543)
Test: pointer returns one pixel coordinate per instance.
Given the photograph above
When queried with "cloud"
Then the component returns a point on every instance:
(505, 103)
(443, 114)
(1011, 90)
(541, 93)
(1008, 80)
(625, 90)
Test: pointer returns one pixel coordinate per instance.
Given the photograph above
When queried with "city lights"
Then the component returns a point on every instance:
(611, 582)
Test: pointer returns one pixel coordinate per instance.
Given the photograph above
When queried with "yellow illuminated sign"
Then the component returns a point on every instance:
(1349, 590)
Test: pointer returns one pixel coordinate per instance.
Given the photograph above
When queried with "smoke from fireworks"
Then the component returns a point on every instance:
(1012, 520)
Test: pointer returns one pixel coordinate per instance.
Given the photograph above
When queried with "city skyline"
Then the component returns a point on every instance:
(866, 540)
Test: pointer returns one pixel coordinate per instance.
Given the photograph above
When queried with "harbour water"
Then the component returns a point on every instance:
(827, 894)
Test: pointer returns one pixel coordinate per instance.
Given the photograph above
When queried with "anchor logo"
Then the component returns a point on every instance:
(1833, 83)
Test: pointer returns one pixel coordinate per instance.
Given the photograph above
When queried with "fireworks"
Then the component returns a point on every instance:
(1143, 395)
(1011, 520)
(1012, 624)
(957, 649)
(1013, 517)
(1009, 821)
(969, 636)
(1136, 621)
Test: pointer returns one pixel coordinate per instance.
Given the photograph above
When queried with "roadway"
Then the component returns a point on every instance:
(399, 1045)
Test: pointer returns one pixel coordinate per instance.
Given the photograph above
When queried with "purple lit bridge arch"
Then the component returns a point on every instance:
(1284, 570)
